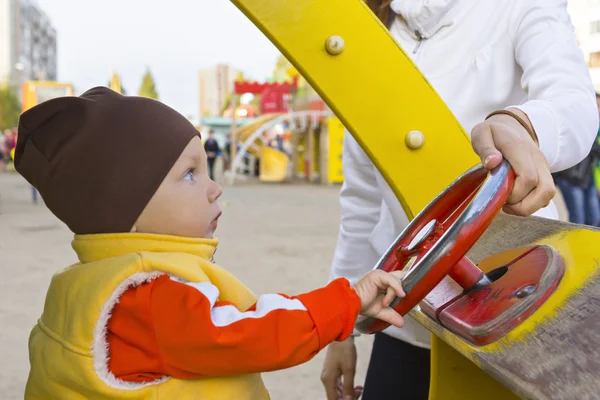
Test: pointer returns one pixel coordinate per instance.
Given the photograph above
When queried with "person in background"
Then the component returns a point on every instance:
(9, 143)
(597, 171)
(212, 152)
(3, 155)
(279, 142)
(597, 166)
(227, 154)
(12, 143)
(579, 187)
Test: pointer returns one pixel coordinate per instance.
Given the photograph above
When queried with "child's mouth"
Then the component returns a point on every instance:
(215, 222)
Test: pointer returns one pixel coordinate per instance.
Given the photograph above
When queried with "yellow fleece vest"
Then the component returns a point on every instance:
(68, 348)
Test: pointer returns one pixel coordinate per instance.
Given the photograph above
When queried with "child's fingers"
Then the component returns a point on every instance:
(390, 316)
(394, 281)
(399, 274)
(389, 297)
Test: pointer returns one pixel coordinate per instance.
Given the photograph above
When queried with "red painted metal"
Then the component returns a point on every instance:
(465, 273)
(273, 101)
(446, 209)
(242, 87)
(488, 313)
(448, 290)
(443, 295)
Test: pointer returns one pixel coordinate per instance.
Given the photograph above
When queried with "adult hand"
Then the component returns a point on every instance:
(503, 136)
(338, 371)
(376, 290)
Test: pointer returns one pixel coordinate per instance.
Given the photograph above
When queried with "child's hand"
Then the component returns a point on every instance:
(377, 290)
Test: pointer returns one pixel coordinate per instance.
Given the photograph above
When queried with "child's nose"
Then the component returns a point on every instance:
(216, 192)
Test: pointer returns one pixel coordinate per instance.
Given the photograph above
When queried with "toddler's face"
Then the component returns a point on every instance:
(185, 204)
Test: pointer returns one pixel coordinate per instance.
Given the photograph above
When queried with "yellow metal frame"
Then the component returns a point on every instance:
(335, 141)
(380, 96)
(379, 112)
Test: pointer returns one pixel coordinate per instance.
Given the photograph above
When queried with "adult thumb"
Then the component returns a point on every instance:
(482, 141)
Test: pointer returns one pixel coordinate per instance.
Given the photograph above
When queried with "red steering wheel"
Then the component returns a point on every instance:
(441, 235)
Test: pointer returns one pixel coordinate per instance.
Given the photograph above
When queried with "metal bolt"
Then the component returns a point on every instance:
(334, 45)
(526, 291)
(414, 140)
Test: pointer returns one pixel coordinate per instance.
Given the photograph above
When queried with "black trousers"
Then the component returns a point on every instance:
(397, 371)
(211, 167)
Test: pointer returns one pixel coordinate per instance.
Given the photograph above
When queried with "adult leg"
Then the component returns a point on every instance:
(211, 167)
(574, 200)
(397, 370)
(592, 205)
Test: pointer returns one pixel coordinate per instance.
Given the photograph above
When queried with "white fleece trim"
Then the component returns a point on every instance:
(100, 346)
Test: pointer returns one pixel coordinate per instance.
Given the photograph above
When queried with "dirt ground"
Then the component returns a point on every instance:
(275, 238)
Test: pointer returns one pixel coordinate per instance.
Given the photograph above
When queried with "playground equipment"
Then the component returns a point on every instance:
(274, 164)
(36, 92)
(532, 330)
(115, 82)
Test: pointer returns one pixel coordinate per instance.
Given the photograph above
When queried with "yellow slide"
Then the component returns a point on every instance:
(273, 163)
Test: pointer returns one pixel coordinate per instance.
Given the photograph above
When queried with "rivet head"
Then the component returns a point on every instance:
(415, 140)
(334, 45)
(526, 291)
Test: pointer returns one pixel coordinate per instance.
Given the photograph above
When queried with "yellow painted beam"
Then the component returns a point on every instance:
(374, 88)
(456, 378)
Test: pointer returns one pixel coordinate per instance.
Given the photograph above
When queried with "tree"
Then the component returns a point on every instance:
(148, 88)
(123, 91)
(280, 71)
(10, 108)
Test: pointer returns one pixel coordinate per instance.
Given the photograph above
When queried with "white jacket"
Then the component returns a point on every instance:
(480, 56)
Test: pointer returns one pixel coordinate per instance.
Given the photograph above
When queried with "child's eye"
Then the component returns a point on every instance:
(189, 176)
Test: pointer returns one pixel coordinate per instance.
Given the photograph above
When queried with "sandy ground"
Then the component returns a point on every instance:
(276, 238)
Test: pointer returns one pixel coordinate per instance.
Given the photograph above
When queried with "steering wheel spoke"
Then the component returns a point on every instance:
(404, 253)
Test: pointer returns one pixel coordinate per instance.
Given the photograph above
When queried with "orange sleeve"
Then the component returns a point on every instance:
(182, 330)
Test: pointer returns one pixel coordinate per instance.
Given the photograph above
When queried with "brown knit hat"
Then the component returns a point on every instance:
(98, 159)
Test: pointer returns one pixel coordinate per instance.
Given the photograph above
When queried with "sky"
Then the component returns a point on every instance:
(174, 38)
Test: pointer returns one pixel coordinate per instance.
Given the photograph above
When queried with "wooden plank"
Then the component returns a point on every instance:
(555, 353)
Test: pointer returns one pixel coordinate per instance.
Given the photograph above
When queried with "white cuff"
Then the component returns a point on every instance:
(545, 125)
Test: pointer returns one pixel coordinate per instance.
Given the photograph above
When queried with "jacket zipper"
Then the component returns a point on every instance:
(419, 41)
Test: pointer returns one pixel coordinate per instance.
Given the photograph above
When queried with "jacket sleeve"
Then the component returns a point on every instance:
(360, 201)
(193, 335)
(561, 100)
